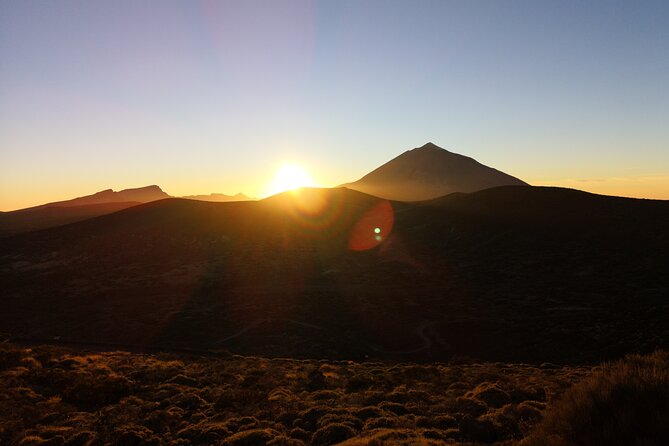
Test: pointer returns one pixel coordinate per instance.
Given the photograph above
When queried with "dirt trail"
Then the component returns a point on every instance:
(260, 321)
(425, 333)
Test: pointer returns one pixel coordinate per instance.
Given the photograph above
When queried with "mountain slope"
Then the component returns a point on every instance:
(429, 172)
(219, 198)
(510, 273)
(76, 209)
(139, 195)
(33, 219)
(81, 208)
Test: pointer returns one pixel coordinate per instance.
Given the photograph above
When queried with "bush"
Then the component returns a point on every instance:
(626, 403)
(381, 422)
(368, 412)
(9, 359)
(332, 434)
(253, 437)
(96, 391)
(490, 394)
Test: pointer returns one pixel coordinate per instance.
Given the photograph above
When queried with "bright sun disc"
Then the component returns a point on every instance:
(288, 177)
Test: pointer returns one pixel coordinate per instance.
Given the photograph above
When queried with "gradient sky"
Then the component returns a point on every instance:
(208, 96)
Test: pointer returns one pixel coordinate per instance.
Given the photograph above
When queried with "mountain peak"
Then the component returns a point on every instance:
(429, 172)
(430, 148)
(429, 145)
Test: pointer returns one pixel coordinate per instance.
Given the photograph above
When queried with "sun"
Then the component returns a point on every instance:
(288, 177)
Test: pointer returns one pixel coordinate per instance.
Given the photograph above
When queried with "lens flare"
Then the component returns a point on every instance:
(373, 227)
(317, 211)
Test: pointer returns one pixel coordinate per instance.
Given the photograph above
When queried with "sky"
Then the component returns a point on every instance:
(214, 96)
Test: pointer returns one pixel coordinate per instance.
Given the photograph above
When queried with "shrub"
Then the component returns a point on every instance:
(300, 434)
(368, 412)
(342, 418)
(9, 359)
(31, 440)
(444, 422)
(184, 380)
(84, 438)
(204, 433)
(376, 423)
(311, 416)
(282, 440)
(133, 435)
(95, 391)
(469, 406)
(253, 437)
(436, 434)
(358, 383)
(323, 395)
(479, 430)
(332, 434)
(397, 409)
(626, 403)
(490, 394)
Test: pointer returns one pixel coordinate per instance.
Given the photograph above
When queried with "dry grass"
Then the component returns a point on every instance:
(57, 396)
(626, 403)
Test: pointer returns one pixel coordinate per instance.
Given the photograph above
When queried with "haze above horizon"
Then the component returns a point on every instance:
(202, 97)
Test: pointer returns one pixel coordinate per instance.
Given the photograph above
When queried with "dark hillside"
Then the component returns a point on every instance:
(511, 273)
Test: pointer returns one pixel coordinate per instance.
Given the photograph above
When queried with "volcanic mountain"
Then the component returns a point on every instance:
(429, 172)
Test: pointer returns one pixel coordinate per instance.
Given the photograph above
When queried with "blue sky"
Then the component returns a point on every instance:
(203, 97)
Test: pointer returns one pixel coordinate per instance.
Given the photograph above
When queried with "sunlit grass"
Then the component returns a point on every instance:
(59, 396)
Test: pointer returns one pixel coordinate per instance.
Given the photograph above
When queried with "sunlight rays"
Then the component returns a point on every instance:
(288, 177)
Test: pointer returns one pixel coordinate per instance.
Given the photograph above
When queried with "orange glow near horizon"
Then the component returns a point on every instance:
(42, 190)
(648, 186)
(290, 177)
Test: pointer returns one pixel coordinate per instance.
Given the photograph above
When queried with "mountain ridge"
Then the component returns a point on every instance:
(137, 194)
(218, 197)
(88, 206)
(499, 274)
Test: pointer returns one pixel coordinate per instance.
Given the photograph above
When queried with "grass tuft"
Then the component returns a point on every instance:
(626, 403)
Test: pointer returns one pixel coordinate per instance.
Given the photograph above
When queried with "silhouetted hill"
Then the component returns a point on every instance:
(76, 209)
(219, 198)
(42, 217)
(140, 195)
(510, 273)
(81, 208)
(430, 172)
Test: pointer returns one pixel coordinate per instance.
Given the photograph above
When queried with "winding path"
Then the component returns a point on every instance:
(260, 321)
(423, 330)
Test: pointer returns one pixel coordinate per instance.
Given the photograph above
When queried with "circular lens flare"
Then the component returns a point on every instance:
(317, 211)
(366, 233)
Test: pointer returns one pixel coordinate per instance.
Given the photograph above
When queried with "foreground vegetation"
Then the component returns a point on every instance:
(57, 396)
(626, 403)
